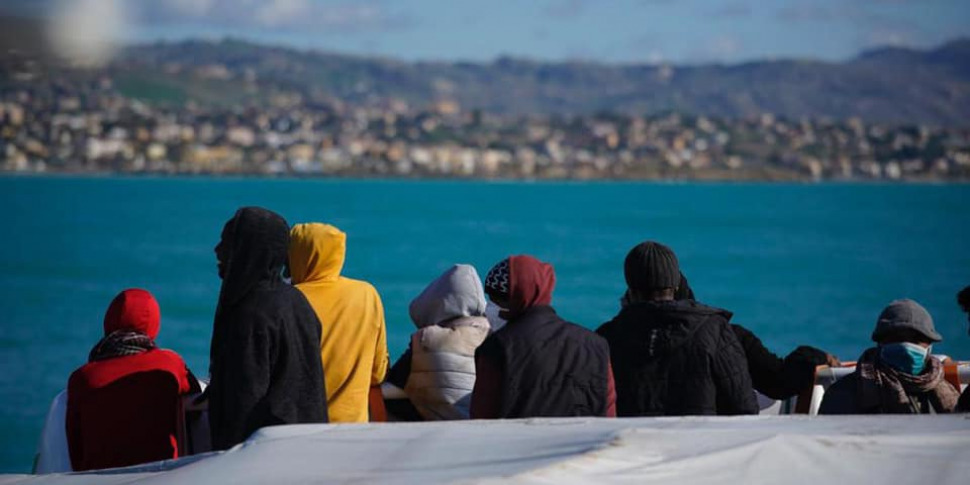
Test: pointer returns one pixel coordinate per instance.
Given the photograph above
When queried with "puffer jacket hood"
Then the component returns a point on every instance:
(133, 310)
(317, 252)
(254, 244)
(456, 293)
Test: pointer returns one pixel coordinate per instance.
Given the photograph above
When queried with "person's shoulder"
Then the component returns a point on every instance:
(167, 354)
(840, 397)
(746, 337)
(357, 285)
(490, 346)
(842, 389)
(269, 306)
(584, 334)
(80, 376)
(608, 328)
(280, 295)
(712, 313)
(705, 319)
(845, 383)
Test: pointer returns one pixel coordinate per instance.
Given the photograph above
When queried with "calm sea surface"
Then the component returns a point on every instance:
(799, 264)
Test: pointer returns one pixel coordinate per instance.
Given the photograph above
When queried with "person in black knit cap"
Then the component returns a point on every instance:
(673, 357)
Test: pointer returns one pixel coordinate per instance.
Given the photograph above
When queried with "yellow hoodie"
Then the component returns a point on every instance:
(354, 345)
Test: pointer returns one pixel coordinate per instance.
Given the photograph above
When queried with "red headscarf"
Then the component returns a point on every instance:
(122, 411)
(530, 283)
(134, 310)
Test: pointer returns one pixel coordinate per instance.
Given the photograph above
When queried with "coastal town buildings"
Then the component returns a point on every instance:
(52, 124)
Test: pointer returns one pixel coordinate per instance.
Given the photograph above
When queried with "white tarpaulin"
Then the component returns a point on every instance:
(758, 449)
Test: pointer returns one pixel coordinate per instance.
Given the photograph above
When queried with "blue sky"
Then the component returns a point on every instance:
(602, 30)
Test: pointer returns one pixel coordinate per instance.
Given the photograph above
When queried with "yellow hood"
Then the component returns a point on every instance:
(317, 252)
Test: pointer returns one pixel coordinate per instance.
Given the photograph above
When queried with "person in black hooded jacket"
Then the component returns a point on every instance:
(264, 360)
(771, 375)
(673, 357)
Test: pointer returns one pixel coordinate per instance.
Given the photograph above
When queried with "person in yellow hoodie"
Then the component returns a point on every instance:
(354, 344)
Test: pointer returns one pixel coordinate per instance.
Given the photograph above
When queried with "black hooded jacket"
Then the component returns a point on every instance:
(677, 358)
(264, 359)
(771, 375)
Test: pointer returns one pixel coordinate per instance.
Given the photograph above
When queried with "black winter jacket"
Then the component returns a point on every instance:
(677, 358)
(549, 367)
(264, 358)
(775, 377)
(963, 405)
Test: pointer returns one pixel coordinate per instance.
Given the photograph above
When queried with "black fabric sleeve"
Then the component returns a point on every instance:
(194, 386)
(731, 378)
(773, 376)
(840, 398)
(398, 375)
(248, 363)
(766, 368)
(799, 371)
(963, 405)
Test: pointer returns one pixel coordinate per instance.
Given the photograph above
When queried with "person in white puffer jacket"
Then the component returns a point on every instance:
(450, 316)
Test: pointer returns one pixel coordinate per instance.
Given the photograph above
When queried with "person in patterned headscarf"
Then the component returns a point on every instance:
(538, 364)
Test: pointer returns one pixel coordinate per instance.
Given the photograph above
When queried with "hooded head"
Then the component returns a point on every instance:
(456, 293)
(252, 249)
(317, 252)
(519, 283)
(133, 310)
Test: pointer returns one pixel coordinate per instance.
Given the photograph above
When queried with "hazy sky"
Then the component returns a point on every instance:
(603, 30)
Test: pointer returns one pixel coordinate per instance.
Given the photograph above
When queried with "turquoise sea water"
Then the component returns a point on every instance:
(810, 264)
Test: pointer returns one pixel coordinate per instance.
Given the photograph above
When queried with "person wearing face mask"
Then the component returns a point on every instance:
(538, 365)
(898, 376)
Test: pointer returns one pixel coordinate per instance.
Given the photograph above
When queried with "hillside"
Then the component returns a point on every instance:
(884, 85)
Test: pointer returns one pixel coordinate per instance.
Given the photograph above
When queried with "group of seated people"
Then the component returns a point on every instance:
(313, 350)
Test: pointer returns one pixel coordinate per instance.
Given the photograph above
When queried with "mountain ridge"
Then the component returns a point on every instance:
(893, 84)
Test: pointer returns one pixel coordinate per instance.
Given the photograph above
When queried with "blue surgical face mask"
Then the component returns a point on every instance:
(905, 357)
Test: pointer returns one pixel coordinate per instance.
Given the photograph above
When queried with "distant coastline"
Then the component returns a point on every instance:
(227, 107)
(461, 179)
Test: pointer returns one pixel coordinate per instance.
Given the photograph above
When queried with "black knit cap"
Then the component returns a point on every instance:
(651, 266)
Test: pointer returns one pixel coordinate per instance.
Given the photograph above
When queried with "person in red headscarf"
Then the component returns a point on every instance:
(538, 365)
(123, 406)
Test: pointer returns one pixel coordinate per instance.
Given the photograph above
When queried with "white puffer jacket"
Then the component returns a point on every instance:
(449, 315)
